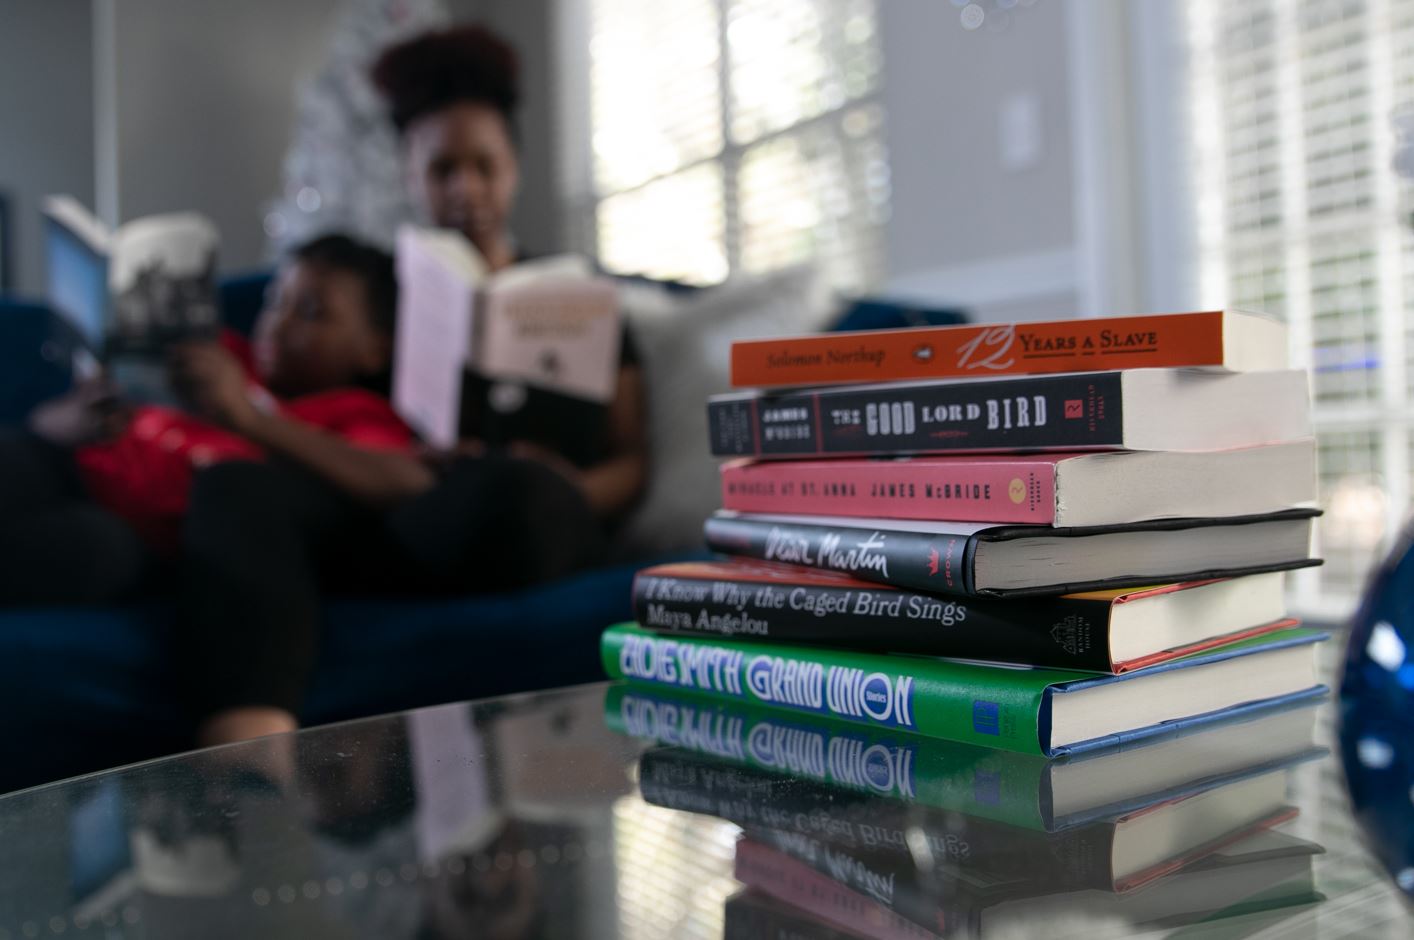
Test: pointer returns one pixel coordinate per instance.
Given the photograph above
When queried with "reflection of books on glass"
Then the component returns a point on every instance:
(1247, 883)
(133, 291)
(548, 324)
(950, 836)
(881, 777)
(791, 881)
(1255, 869)
(1119, 854)
(753, 915)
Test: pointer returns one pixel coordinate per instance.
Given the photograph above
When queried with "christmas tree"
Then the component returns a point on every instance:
(343, 171)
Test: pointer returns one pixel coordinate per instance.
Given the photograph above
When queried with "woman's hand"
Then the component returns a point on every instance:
(87, 414)
(213, 382)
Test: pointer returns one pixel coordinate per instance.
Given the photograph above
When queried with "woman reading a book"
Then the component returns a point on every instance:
(452, 96)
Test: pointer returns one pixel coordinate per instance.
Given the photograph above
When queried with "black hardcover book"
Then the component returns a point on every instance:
(1017, 560)
(1140, 409)
(1103, 631)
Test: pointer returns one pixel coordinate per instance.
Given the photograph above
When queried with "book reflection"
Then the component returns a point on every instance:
(851, 832)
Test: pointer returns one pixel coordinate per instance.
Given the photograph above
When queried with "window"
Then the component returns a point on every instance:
(1300, 214)
(736, 136)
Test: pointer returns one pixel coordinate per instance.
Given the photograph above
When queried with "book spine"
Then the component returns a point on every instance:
(1060, 412)
(797, 884)
(1061, 633)
(953, 700)
(938, 563)
(1087, 345)
(961, 491)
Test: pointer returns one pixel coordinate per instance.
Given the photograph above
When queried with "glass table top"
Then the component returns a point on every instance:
(604, 811)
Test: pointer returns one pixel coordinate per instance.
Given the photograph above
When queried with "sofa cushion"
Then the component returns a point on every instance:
(686, 346)
(37, 350)
(90, 688)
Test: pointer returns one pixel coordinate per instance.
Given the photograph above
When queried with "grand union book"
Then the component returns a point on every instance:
(1031, 710)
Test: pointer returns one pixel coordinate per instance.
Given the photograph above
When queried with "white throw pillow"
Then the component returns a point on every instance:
(685, 341)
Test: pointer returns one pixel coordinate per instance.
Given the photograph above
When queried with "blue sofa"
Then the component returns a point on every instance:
(88, 688)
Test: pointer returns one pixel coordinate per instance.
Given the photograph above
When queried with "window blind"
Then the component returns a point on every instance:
(733, 136)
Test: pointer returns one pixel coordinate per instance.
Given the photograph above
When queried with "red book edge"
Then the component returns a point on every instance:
(1202, 645)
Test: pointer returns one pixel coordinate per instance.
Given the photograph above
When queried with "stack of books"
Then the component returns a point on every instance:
(1048, 537)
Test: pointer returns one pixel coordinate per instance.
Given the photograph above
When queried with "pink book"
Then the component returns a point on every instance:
(1062, 490)
(795, 883)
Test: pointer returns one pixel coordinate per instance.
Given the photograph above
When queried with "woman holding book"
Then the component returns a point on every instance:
(453, 96)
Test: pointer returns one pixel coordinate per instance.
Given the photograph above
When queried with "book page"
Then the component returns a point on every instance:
(436, 291)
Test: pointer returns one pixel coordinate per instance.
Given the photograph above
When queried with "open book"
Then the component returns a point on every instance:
(548, 324)
(131, 292)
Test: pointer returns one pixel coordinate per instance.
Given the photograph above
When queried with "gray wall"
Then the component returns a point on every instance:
(46, 117)
(957, 211)
(205, 98)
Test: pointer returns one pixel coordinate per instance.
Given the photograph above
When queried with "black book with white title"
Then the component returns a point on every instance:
(1139, 409)
(1100, 631)
(1017, 560)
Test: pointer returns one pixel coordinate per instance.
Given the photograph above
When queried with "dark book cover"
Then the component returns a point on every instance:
(759, 600)
(1066, 412)
(789, 604)
(942, 560)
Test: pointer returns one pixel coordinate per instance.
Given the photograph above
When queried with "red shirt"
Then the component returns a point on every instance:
(145, 474)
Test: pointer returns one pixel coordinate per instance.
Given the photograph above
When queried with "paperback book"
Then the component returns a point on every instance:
(1060, 490)
(466, 334)
(1138, 409)
(1101, 631)
(132, 292)
(1031, 710)
(1219, 339)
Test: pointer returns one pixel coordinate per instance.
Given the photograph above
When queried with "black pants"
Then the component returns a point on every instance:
(55, 545)
(262, 540)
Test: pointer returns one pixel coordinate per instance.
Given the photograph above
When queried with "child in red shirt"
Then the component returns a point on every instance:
(295, 419)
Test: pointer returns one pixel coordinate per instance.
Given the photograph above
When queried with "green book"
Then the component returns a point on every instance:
(1038, 711)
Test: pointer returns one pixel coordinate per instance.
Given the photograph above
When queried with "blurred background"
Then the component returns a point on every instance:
(1020, 159)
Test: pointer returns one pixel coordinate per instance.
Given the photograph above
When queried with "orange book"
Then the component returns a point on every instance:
(1219, 339)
